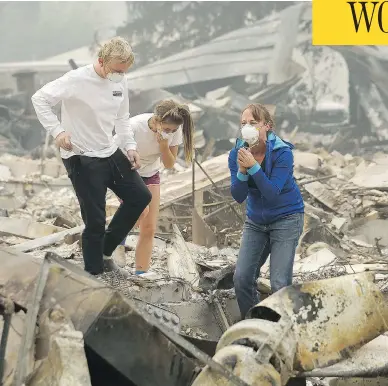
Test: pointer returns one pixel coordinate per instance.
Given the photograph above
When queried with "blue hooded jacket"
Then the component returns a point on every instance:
(273, 193)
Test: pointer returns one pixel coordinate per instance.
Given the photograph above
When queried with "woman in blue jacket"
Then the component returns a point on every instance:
(261, 169)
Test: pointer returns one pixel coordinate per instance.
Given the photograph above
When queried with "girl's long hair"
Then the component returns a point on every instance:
(169, 111)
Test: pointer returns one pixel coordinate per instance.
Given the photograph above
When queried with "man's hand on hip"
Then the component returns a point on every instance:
(134, 158)
(63, 140)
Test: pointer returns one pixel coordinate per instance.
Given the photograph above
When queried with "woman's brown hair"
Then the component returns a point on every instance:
(168, 111)
(261, 114)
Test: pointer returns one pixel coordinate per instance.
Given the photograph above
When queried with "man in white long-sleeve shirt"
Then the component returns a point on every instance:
(94, 101)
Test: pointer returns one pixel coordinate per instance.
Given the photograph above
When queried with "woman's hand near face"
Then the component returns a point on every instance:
(241, 168)
(245, 159)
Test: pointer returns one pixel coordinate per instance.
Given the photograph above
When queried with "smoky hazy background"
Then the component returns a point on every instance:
(216, 56)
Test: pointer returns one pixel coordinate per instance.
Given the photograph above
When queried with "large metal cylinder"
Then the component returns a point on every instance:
(330, 318)
(300, 328)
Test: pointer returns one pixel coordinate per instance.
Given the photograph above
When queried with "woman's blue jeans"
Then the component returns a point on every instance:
(279, 239)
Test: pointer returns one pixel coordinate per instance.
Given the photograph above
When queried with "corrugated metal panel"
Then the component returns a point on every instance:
(200, 74)
(204, 62)
(260, 36)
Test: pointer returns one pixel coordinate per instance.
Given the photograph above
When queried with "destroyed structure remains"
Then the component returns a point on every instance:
(61, 327)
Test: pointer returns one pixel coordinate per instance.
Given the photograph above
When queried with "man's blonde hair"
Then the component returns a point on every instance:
(117, 48)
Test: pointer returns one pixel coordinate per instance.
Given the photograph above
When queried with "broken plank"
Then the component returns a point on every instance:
(321, 194)
(179, 260)
(22, 227)
(49, 240)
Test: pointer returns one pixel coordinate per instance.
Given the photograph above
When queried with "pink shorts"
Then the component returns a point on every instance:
(153, 180)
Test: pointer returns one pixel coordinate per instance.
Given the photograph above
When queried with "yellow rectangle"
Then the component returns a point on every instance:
(335, 22)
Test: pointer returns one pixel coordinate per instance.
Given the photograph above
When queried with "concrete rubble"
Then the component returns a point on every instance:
(62, 350)
(317, 91)
(343, 178)
(340, 211)
(344, 233)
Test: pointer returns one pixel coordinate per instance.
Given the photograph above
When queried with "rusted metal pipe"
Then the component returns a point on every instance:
(218, 190)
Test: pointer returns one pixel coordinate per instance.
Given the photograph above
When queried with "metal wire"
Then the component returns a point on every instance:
(218, 190)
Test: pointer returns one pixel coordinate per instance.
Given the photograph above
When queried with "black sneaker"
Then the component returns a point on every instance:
(111, 266)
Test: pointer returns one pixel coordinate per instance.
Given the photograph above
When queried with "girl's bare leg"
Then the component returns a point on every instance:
(147, 231)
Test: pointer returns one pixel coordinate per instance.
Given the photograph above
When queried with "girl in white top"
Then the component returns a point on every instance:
(158, 137)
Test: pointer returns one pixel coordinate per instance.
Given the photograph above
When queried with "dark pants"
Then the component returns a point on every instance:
(279, 239)
(91, 177)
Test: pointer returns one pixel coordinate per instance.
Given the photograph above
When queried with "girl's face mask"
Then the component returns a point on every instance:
(250, 134)
(166, 135)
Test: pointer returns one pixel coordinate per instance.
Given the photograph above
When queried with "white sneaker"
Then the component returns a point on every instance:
(119, 256)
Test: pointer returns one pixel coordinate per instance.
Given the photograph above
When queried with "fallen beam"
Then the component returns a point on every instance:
(22, 227)
(50, 239)
(47, 240)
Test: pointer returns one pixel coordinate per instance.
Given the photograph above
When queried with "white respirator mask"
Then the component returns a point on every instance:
(115, 77)
(250, 134)
(166, 135)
